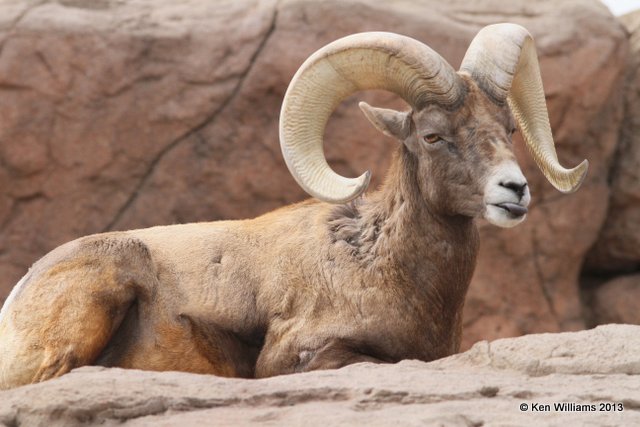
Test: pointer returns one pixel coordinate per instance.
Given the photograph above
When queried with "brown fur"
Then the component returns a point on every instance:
(308, 286)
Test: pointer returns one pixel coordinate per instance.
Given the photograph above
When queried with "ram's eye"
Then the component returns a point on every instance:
(432, 138)
(512, 131)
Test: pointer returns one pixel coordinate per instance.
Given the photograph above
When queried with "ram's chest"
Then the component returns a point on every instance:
(389, 322)
(422, 323)
(331, 312)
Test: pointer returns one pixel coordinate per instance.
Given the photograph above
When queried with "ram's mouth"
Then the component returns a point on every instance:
(513, 209)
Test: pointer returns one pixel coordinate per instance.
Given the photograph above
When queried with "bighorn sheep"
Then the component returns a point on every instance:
(313, 285)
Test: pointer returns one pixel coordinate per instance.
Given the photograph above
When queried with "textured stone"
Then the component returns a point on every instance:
(618, 247)
(616, 301)
(119, 115)
(484, 386)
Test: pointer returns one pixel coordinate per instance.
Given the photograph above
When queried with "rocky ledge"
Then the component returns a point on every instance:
(594, 373)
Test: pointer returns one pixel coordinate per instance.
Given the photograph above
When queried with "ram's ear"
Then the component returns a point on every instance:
(390, 122)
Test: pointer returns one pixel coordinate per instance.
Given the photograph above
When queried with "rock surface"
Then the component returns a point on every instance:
(484, 386)
(118, 115)
(616, 301)
(618, 247)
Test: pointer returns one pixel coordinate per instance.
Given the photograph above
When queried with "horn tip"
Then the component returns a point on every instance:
(367, 178)
(357, 185)
(362, 185)
(580, 173)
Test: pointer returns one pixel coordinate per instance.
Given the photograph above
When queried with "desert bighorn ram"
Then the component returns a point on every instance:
(313, 285)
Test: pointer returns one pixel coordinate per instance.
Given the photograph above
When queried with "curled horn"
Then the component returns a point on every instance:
(374, 60)
(502, 59)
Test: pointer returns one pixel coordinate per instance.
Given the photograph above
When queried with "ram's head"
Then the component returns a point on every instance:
(458, 130)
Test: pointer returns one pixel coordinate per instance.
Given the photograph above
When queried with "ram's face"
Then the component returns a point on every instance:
(466, 164)
(466, 156)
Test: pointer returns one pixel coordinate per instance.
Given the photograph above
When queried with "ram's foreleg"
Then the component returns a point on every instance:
(335, 353)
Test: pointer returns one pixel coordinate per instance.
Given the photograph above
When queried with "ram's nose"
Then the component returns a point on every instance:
(519, 188)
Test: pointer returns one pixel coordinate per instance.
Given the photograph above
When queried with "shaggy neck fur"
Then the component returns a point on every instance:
(396, 233)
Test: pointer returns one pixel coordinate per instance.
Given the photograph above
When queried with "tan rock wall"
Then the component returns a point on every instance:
(618, 247)
(615, 301)
(119, 115)
(611, 281)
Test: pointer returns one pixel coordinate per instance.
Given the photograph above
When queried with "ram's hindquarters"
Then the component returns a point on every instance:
(63, 313)
(16, 365)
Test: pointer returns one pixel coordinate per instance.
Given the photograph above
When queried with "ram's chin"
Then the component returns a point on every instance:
(501, 217)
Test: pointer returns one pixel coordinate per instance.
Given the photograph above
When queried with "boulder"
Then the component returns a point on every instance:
(618, 246)
(119, 115)
(593, 374)
(616, 301)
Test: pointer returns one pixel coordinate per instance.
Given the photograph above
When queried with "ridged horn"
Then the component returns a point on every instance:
(374, 60)
(502, 59)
